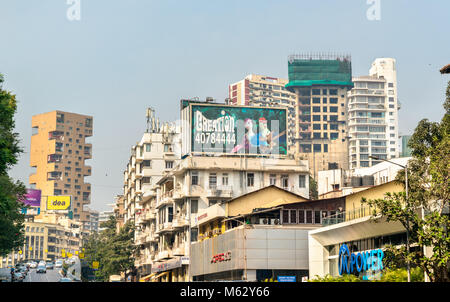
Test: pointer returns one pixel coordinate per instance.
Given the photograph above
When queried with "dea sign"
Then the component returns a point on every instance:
(363, 261)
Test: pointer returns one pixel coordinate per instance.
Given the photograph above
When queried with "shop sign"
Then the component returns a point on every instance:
(221, 257)
(362, 261)
(286, 279)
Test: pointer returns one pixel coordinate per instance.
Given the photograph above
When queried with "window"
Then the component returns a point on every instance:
(293, 216)
(325, 91)
(333, 109)
(325, 146)
(273, 179)
(316, 91)
(169, 164)
(212, 180)
(316, 100)
(250, 179)
(285, 216)
(285, 181)
(301, 216)
(324, 100)
(333, 100)
(146, 163)
(302, 181)
(194, 178)
(333, 92)
(225, 179)
(316, 109)
(316, 118)
(317, 217)
(148, 147)
(309, 217)
(194, 206)
(317, 148)
(316, 127)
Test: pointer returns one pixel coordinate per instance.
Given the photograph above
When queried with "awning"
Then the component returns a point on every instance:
(158, 276)
(144, 279)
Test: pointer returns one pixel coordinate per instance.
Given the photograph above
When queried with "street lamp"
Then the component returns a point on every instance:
(407, 205)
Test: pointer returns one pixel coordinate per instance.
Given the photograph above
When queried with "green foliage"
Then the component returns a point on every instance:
(343, 278)
(11, 220)
(425, 212)
(313, 191)
(114, 251)
(401, 275)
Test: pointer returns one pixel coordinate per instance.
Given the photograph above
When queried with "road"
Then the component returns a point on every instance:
(52, 275)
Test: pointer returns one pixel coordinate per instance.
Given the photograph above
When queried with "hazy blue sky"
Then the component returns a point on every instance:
(123, 56)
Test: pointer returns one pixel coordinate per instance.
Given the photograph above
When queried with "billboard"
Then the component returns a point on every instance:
(32, 198)
(58, 202)
(237, 129)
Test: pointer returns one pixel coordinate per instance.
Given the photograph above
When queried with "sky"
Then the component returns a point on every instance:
(120, 57)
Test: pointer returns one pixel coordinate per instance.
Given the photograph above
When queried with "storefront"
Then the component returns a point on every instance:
(172, 270)
(253, 253)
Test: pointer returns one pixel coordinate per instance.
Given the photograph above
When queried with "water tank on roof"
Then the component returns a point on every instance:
(368, 180)
(356, 181)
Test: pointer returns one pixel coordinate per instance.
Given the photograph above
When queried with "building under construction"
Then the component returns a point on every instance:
(321, 82)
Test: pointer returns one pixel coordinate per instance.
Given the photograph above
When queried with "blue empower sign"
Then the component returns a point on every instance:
(369, 260)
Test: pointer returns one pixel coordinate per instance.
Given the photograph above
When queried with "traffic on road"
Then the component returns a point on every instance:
(42, 271)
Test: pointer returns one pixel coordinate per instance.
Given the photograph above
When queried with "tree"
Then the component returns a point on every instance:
(313, 192)
(11, 220)
(425, 213)
(114, 251)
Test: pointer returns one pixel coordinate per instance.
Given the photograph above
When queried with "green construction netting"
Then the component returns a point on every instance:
(319, 72)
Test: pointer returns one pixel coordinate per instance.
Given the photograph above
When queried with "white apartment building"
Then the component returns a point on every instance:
(258, 90)
(373, 116)
(156, 153)
(168, 216)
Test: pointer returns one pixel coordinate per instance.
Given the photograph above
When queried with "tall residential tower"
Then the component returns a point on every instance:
(58, 152)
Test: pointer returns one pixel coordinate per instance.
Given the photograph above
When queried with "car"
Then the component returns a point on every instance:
(41, 269)
(18, 276)
(33, 264)
(64, 279)
(58, 263)
(49, 265)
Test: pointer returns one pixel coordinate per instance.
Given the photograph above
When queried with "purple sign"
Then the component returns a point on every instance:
(32, 198)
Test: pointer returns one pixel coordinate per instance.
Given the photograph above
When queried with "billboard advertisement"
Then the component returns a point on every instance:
(32, 198)
(238, 129)
(58, 202)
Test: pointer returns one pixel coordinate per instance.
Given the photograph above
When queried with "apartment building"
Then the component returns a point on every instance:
(386, 68)
(321, 83)
(373, 116)
(258, 90)
(119, 211)
(156, 153)
(47, 239)
(168, 218)
(58, 153)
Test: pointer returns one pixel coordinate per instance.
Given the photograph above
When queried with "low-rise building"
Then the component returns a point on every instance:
(168, 213)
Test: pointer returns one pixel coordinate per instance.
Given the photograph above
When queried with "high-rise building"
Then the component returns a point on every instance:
(156, 153)
(58, 152)
(321, 83)
(257, 90)
(373, 116)
(385, 67)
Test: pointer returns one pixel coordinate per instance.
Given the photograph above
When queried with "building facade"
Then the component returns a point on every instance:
(168, 215)
(257, 90)
(321, 83)
(58, 153)
(47, 239)
(373, 116)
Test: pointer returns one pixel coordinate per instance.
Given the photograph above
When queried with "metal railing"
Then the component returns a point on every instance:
(361, 212)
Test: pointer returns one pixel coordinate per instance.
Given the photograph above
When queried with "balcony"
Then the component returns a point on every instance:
(165, 227)
(166, 198)
(166, 254)
(180, 222)
(179, 251)
(87, 151)
(220, 192)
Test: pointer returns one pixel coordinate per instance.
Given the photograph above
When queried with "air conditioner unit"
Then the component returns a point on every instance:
(275, 221)
(264, 221)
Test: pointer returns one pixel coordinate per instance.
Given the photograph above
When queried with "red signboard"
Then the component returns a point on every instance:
(221, 257)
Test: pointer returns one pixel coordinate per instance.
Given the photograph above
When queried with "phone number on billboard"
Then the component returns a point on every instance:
(215, 138)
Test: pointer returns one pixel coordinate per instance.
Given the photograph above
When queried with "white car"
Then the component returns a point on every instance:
(33, 264)
(41, 269)
(58, 263)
